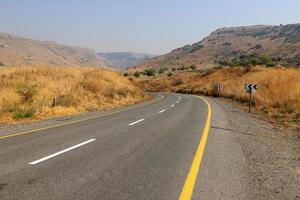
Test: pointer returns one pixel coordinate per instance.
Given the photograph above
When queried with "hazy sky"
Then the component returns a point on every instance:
(151, 26)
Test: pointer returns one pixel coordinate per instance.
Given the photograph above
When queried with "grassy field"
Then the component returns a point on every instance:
(41, 92)
(278, 94)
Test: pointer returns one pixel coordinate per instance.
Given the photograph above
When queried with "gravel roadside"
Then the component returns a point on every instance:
(272, 154)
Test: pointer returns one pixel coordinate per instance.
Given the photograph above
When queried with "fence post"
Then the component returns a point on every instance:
(3, 100)
(250, 101)
(42, 103)
(53, 102)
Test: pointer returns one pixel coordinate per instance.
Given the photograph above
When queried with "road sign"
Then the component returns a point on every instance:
(188, 90)
(250, 88)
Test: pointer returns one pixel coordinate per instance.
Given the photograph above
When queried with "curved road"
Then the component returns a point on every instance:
(147, 151)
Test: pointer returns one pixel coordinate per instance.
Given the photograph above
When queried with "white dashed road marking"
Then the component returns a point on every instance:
(61, 152)
(140, 120)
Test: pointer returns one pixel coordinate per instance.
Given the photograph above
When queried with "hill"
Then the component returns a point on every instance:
(27, 92)
(278, 93)
(120, 60)
(264, 44)
(18, 51)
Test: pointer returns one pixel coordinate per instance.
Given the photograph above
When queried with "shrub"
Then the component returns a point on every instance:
(162, 70)
(249, 60)
(1, 64)
(136, 74)
(125, 74)
(22, 115)
(169, 74)
(26, 91)
(178, 82)
(150, 72)
(218, 67)
(193, 67)
(67, 100)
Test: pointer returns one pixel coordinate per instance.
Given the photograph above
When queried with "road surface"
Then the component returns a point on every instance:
(151, 151)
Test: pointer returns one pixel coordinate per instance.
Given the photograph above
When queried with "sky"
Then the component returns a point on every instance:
(145, 26)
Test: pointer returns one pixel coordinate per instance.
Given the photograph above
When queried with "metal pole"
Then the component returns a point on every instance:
(250, 101)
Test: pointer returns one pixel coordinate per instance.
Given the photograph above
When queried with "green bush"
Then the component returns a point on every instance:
(136, 74)
(181, 68)
(162, 70)
(193, 67)
(22, 115)
(1, 64)
(125, 74)
(150, 72)
(249, 60)
(169, 74)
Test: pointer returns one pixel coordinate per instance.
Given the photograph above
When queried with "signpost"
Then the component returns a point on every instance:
(250, 88)
(217, 90)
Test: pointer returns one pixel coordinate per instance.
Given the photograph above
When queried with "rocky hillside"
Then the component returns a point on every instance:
(120, 60)
(18, 51)
(275, 44)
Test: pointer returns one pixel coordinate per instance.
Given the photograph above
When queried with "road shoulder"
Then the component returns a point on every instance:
(247, 158)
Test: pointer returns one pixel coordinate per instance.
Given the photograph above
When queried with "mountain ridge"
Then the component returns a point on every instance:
(281, 43)
(19, 51)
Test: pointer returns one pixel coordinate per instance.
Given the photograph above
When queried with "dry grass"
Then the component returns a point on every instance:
(278, 93)
(29, 91)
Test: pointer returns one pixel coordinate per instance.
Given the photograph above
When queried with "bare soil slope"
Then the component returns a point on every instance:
(18, 51)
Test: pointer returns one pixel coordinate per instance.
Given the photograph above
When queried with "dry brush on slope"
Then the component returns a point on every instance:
(278, 93)
(27, 92)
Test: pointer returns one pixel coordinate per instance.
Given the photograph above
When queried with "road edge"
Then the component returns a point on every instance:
(189, 185)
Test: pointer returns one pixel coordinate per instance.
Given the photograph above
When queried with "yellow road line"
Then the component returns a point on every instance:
(187, 191)
(64, 124)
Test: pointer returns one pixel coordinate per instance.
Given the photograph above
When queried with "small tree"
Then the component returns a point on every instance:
(193, 67)
(150, 72)
(136, 74)
(27, 92)
(161, 71)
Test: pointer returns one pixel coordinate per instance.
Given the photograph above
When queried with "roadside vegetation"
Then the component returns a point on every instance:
(152, 72)
(41, 92)
(278, 94)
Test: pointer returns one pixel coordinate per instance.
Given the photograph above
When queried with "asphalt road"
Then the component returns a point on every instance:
(151, 151)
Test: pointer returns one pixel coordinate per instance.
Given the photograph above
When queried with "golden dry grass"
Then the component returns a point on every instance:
(75, 90)
(278, 93)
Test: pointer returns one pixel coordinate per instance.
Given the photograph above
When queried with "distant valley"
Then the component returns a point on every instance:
(120, 60)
